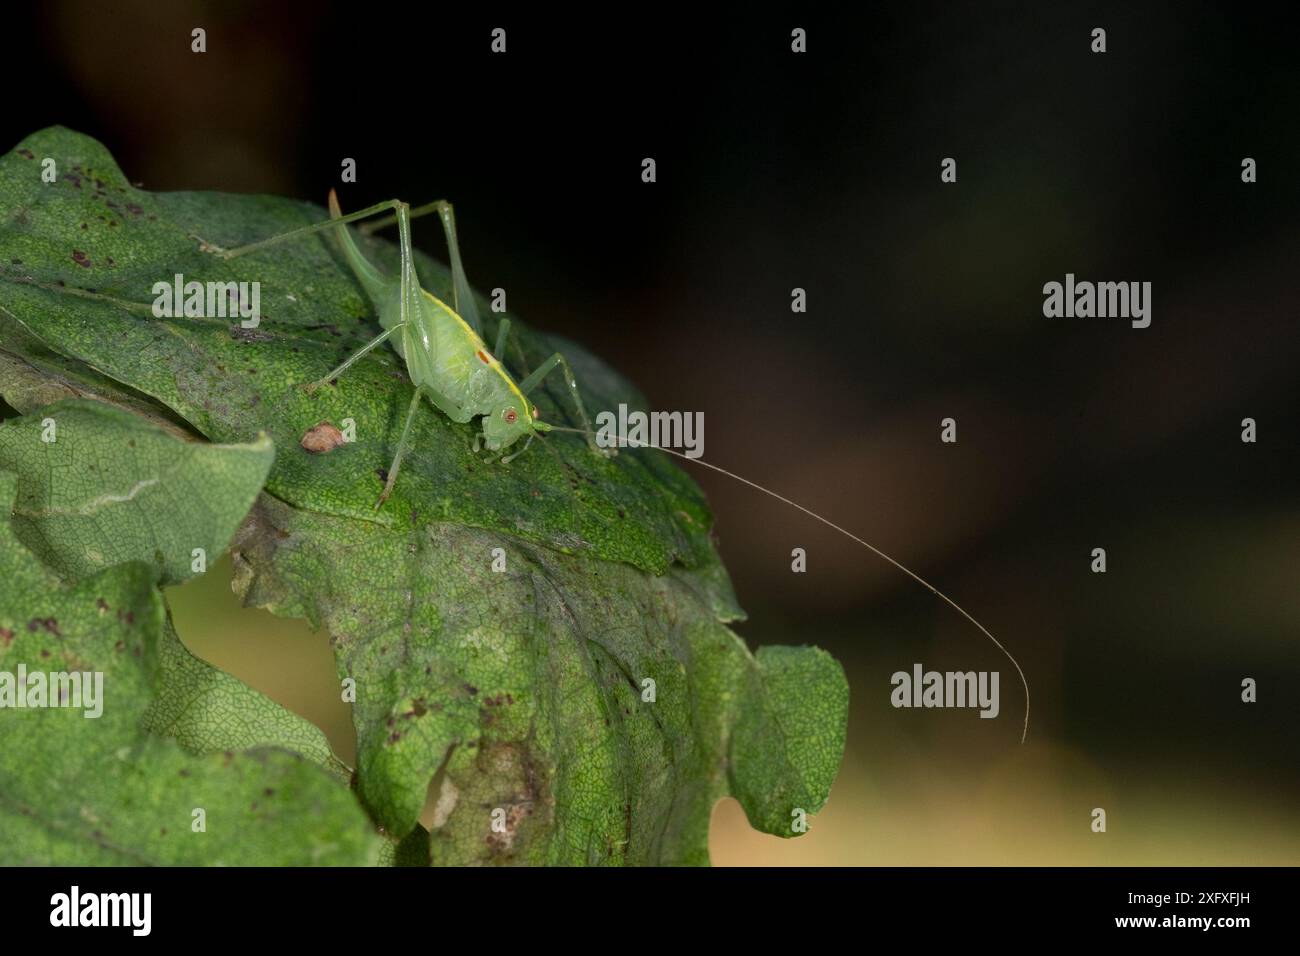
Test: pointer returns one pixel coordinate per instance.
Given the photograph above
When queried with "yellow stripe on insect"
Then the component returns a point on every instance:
(484, 356)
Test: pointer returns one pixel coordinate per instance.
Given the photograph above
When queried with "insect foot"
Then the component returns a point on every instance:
(210, 247)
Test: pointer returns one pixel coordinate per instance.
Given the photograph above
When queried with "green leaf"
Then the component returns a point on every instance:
(782, 755)
(114, 488)
(33, 376)
(527, 688)
(524, 695)
(99, 486)
(208, 711)
(101, 790)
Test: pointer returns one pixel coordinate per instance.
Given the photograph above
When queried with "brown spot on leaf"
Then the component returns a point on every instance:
(322, 438)
(241, 334)
(80, 258)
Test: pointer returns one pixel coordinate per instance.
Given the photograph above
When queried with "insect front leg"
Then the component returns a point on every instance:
(533, 380)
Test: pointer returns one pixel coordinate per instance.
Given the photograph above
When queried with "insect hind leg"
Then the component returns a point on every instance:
(462, 295)
(302, 231)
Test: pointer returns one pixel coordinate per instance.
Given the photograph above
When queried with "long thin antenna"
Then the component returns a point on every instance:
(624, 442)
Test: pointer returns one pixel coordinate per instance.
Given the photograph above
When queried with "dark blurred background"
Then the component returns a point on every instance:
(821, 171)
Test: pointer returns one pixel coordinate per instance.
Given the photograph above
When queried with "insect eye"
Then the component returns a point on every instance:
(511, 415)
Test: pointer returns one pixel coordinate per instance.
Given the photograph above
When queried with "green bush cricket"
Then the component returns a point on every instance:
(442, 345)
